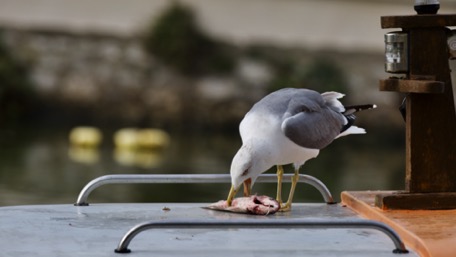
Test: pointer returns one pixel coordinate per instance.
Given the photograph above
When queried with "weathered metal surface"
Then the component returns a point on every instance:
(96, 230)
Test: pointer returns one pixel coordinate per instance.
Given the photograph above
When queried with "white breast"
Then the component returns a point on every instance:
(265, 133)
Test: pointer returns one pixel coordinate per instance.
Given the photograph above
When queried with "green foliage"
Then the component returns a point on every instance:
(324, 75)
(320, 75)
(16, 93)
(177, 40)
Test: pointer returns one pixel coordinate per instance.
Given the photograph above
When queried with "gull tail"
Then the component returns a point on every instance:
(349, 115)
(356, 108)
(352, 130)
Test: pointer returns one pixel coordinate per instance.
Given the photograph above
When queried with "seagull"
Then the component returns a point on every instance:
(288, 126)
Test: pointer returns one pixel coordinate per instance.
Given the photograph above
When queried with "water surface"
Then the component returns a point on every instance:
(38, 166)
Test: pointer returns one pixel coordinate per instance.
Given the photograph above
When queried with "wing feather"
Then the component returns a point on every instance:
(310, 123)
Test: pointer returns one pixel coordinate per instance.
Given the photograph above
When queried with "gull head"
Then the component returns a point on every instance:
(245, 167)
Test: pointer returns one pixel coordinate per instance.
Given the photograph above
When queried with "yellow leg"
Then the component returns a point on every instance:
(231, 195)
(279, 184)
(247, 186)
(294, 182)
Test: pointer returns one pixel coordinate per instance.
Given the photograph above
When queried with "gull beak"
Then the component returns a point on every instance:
(247, 186)
(231, 195)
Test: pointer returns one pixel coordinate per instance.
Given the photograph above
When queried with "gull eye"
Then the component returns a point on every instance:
(245, 172)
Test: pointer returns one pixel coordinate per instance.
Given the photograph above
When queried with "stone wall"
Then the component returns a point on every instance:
(111, 78)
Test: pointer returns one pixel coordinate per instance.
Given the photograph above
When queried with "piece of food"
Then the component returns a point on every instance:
(258, 205)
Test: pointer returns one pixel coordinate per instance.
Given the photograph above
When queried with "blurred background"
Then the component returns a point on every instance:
(89, 88)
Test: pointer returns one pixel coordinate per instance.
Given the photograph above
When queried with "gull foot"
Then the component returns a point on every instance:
(285, 208)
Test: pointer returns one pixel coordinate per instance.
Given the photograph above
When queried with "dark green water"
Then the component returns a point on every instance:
(38, 166)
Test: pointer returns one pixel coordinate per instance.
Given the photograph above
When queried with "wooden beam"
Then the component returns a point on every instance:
(430, 118)
(406, 201)
(412, 86)
(430, 154)
(418, 21)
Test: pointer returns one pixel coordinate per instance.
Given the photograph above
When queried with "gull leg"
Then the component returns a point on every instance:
(231, 195)
(247, 187)
(294, 182)
(279, 184)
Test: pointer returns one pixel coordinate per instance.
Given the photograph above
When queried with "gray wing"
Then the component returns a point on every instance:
(309, 123)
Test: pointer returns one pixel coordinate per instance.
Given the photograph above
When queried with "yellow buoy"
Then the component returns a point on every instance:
(140, 147)
(85, 137)
(133, 138)
(152, 139)
(126, 138)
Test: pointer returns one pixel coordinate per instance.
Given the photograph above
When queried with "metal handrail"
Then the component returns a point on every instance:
(272, 223)
(191, 178)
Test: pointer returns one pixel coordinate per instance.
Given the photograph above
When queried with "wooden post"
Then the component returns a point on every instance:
(430, 115)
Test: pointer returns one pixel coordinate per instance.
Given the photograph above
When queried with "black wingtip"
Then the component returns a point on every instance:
(350, 121)
(356, 108)
(349, 113)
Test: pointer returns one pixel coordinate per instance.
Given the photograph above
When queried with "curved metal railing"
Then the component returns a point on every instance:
(191, 178)
(274, 223)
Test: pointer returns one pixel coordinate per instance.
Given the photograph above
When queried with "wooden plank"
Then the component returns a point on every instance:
(418, 21)
(412, 86)
(428, 232)
(407, 201)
